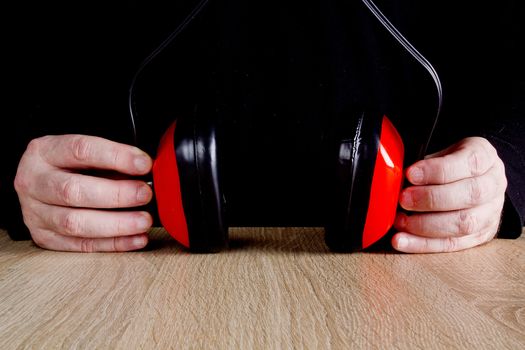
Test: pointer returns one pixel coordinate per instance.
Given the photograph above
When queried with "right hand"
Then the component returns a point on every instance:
(63, 208)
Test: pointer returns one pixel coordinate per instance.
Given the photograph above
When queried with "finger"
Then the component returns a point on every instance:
(472, 157)
(82, 151)
(76, 190)
(462, 194)
(90, 223)
(408, 243)
(53, 241)
(453, 223)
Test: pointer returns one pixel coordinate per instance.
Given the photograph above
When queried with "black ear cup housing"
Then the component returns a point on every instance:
(353, 154)
(197, 154)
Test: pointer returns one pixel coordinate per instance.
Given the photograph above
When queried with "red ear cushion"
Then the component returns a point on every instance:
(166, 183)
(386, 184)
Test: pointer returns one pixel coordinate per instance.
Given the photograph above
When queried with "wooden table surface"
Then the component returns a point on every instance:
(275, 288)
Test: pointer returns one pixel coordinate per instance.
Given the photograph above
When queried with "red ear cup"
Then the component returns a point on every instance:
(167, 189)
(187, 182)
(386, 184)
(364, 193)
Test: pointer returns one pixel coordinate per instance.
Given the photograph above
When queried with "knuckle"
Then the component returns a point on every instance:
(504, 183)
(70, 192)
(27, 218)
(475, 191)
(23, 179)
(481, 156)
(450, 244)
(41, 239)
(81, 148)
(475, 163)
(35, 145)
(467, 223)
(117, 155)
(87, 245)
(432, 199)
(488, 148)
(117, 197)
(441, 169)
(426, 246)
(120, 227)
(114, 245)
(30, 219)
(72, 225)
(22, 182)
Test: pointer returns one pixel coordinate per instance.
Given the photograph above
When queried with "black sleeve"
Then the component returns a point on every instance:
(508, 141)
(15, 134)
(16, 126)
(507, 134)
(484, 95)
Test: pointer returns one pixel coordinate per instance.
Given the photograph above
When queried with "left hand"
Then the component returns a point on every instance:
(457, 199)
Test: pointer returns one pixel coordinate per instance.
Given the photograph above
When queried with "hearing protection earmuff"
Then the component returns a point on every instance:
(188, 187)
(368, 172)
(367, 159)
(365, 156)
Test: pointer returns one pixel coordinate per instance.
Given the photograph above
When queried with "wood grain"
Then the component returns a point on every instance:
(274, 289)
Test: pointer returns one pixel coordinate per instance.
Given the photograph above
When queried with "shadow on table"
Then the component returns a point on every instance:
(275, 239)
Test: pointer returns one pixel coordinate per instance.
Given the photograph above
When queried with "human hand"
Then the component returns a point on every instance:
(63, 207)
(456, 201)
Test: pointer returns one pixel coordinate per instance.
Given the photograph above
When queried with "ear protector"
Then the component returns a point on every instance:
(365, 157)
(188, 188)
(367, 164)
(367, 176)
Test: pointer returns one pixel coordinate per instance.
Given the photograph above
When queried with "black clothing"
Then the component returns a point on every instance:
(277, 75)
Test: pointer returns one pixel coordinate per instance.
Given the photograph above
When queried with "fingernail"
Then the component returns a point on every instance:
(402, 242)
(143, 194)
(407, 201)
(415, 175)
(139, 241)
(142, 163)
(143, 223)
